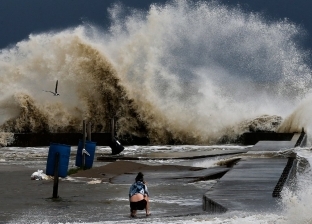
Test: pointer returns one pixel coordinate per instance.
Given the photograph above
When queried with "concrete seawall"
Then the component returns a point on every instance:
(44, 139)
(104, 138)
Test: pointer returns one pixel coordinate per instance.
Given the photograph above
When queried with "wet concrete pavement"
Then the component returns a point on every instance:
(29, 201)
(175, 191)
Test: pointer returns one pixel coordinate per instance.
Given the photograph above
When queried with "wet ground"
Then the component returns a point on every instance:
(177, 186)
(89, 200)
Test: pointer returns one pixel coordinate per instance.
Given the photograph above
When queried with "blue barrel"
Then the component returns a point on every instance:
(64, 152)
(90, 147)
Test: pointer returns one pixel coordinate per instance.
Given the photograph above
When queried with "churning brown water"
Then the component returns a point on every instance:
(189, 72)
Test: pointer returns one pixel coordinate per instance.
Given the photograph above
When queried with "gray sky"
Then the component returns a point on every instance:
(19, 18)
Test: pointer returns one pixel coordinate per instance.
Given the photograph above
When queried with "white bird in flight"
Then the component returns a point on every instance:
(54, 93)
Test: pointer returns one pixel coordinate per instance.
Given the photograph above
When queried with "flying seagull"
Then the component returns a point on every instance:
(54, 93)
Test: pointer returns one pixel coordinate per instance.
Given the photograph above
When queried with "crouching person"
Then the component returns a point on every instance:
(139, 196)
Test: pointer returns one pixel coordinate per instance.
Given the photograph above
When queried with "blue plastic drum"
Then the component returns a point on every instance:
(90, 148)
(64, 154)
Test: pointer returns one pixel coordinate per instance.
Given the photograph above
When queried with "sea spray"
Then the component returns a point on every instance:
(186, 72)
(6, 138)
(296, 200)
(300, 119)
(88, 86)
(204, 67)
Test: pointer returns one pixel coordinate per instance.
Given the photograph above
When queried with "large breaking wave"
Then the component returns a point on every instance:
(191, 72)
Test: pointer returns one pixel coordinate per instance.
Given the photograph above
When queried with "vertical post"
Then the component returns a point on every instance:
(112, 128)
(56, 177)
(83, 143)
(89, 131)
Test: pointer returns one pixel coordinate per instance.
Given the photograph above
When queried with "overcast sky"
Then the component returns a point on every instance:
(19, 18)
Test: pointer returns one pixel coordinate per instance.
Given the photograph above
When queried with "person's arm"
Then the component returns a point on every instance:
(146, 190)
(130, 190)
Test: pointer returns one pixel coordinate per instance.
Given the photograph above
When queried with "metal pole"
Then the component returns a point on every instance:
(56, 178)
(112, 128)
(89, 131)
(83, 143)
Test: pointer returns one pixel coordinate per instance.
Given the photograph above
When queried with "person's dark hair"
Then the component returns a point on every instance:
(139, 177)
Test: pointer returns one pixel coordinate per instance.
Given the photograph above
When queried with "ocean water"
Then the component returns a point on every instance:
(190, 72)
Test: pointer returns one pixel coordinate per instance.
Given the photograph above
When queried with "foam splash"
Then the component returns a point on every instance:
(186, 72)
(87, 84)
(299, 119)
(297, 199)
(208, 67)
(6, 138)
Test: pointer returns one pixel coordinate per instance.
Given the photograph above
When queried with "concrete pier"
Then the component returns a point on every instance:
(171, 155)
(248, 186)
(254, 184)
